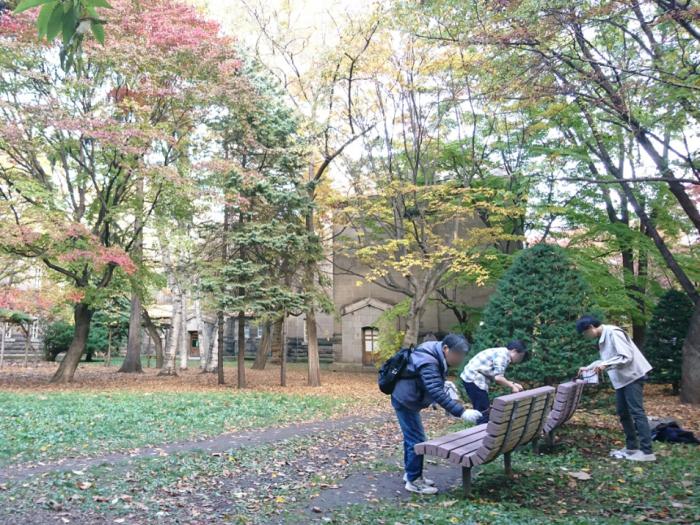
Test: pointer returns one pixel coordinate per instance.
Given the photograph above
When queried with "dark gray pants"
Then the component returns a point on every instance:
(630, 409)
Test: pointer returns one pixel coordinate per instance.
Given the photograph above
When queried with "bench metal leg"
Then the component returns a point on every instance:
(467, 481)
(507, 464)
(550, 439)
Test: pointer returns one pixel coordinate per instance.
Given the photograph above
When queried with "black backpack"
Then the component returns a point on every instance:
(393, 369)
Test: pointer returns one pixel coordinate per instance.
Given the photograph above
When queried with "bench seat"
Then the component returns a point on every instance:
(515, 419)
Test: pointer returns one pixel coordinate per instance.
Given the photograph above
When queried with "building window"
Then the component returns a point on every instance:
(34, 331)
(370, 344)
(9, 331)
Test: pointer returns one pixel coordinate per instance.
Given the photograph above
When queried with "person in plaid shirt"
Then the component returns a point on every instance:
(489, 366)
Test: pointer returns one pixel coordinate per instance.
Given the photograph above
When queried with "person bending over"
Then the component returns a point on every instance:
(422, 384)
(489, 366)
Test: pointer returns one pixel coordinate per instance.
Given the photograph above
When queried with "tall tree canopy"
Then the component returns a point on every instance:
(87, 154)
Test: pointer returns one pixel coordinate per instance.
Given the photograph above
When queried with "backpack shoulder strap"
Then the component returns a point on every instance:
(627, 337)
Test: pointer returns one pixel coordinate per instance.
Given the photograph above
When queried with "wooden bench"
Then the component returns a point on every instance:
(566, 401)
(515, 420)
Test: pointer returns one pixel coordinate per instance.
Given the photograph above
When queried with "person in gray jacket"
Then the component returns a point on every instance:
(421, 385)
(627, 369)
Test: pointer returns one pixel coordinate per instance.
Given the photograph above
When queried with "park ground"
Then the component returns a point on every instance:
(143, 449)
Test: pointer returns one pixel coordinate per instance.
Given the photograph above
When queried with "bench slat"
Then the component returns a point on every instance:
(496, 429)
(499, 416)
(458, 454)
(454, 436)
(502, 401)
(444, 451)
(570, 395)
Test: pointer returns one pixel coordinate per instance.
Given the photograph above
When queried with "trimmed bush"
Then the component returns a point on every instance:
(538, 300)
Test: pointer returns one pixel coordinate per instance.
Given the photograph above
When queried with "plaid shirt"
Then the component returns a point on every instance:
(485, 366)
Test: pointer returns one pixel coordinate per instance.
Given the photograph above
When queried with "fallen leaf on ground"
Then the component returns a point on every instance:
(583, 476)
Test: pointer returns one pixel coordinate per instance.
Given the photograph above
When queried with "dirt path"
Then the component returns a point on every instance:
(336, 463)
(221, 443)
(361, 464)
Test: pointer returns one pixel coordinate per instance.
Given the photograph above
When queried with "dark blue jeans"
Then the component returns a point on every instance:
(413, 433)
(480, 400)
(630, 409)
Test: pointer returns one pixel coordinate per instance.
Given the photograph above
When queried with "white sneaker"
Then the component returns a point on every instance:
(638, 455)
(427, 481)
(419, 487)
(622, 453)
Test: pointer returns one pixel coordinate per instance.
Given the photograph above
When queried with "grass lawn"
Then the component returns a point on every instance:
(544, 491)
(51, 425)
(334, 472)
(268, 485)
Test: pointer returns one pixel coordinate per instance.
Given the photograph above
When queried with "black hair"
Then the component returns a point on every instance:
(456, 343)
(519, 346)
(585, 322)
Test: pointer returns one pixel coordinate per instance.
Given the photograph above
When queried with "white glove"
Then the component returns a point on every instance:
(470, 416)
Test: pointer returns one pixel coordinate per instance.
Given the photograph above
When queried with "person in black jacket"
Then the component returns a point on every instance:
(422, 384)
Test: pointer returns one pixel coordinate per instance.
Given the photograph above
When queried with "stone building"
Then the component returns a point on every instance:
(348, 335)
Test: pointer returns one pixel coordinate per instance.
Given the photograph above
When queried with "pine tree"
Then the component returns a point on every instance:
(667, 330)
(538, 301)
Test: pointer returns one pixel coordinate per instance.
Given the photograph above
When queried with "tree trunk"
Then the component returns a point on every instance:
(311, 330)
(313, 354)
(220, 350)
(132, 360)
(213, 351)
(184, 335)
(220, 313)
(263, 348)
(26, 348)
(3, 327)
(155, 337)
(170, 367)
(241, 349)
(82, 314)
(206, 348)
(414, 317)
(202, 336)
(108, 357)
(690, 375)
(412, 327)
(639, 327)
(276, 341)
(283, 352)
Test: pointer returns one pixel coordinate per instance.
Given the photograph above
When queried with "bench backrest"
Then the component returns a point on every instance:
(566, 402)
(515, 419)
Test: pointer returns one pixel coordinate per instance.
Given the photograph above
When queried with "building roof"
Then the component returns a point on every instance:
(367, 302)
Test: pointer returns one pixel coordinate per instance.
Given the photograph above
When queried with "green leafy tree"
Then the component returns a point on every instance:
(72, 19)
(667, 331)
(253, 258)
(538, 300)
(86, 158)
(59, 334)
